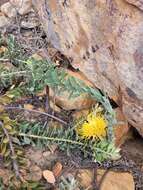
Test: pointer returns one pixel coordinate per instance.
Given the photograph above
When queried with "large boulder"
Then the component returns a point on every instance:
(104, 40)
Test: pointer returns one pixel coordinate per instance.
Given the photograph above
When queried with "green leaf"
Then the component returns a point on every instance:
(3, 148)
(7, 153)
(5, 140)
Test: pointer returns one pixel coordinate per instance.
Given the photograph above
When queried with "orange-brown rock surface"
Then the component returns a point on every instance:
(111, 181)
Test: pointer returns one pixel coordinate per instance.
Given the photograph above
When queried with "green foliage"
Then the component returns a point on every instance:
(39, 73)
(39, 70)
(13, 71)
(67, 140)
(27, 185)
(104, 150)
(44, 73)
(32, 185)
(1, 184)
(68, 183)
(31, 76)
(14, 52)
(5, 149)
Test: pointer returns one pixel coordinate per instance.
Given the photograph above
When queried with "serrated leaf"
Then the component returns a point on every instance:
(33, 185)
(3, 149)
(12, 132)
(16, 140)
(5, 99)
(7, 163)
(14, 157)
(8, 127)
(7, 153)
(27, 140)
(19, 152)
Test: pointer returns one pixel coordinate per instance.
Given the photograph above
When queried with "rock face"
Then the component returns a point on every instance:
(3, 1)
(12, 7)
(22, 6)
(104, 39)
(137, 3)
(4, 21)
(121, 129)
(8, 10)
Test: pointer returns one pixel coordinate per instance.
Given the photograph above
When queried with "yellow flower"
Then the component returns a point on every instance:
(94, 127)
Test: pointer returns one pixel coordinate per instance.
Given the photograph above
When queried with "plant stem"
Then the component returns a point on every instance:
(39, 112)
(13, 73)
(4, 59)
(15, 164)
(50, 138)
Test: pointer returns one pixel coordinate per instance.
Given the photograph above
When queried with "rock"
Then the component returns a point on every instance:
(108, 51)
(111, 181)
(82, 113)
(22, 6)
(9, 10)
(3, 1)
(137, 3)
(116, 181)
(85, 178)
(78, 103)
(81, 102)
(4, 21)
(122, 127)
(49, 176)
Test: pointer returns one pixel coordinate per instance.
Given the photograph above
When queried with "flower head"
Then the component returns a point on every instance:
(93, 127)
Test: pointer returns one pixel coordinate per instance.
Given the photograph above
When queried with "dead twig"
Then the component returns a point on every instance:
(14, 161)
(39, 112)
(47, 104)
